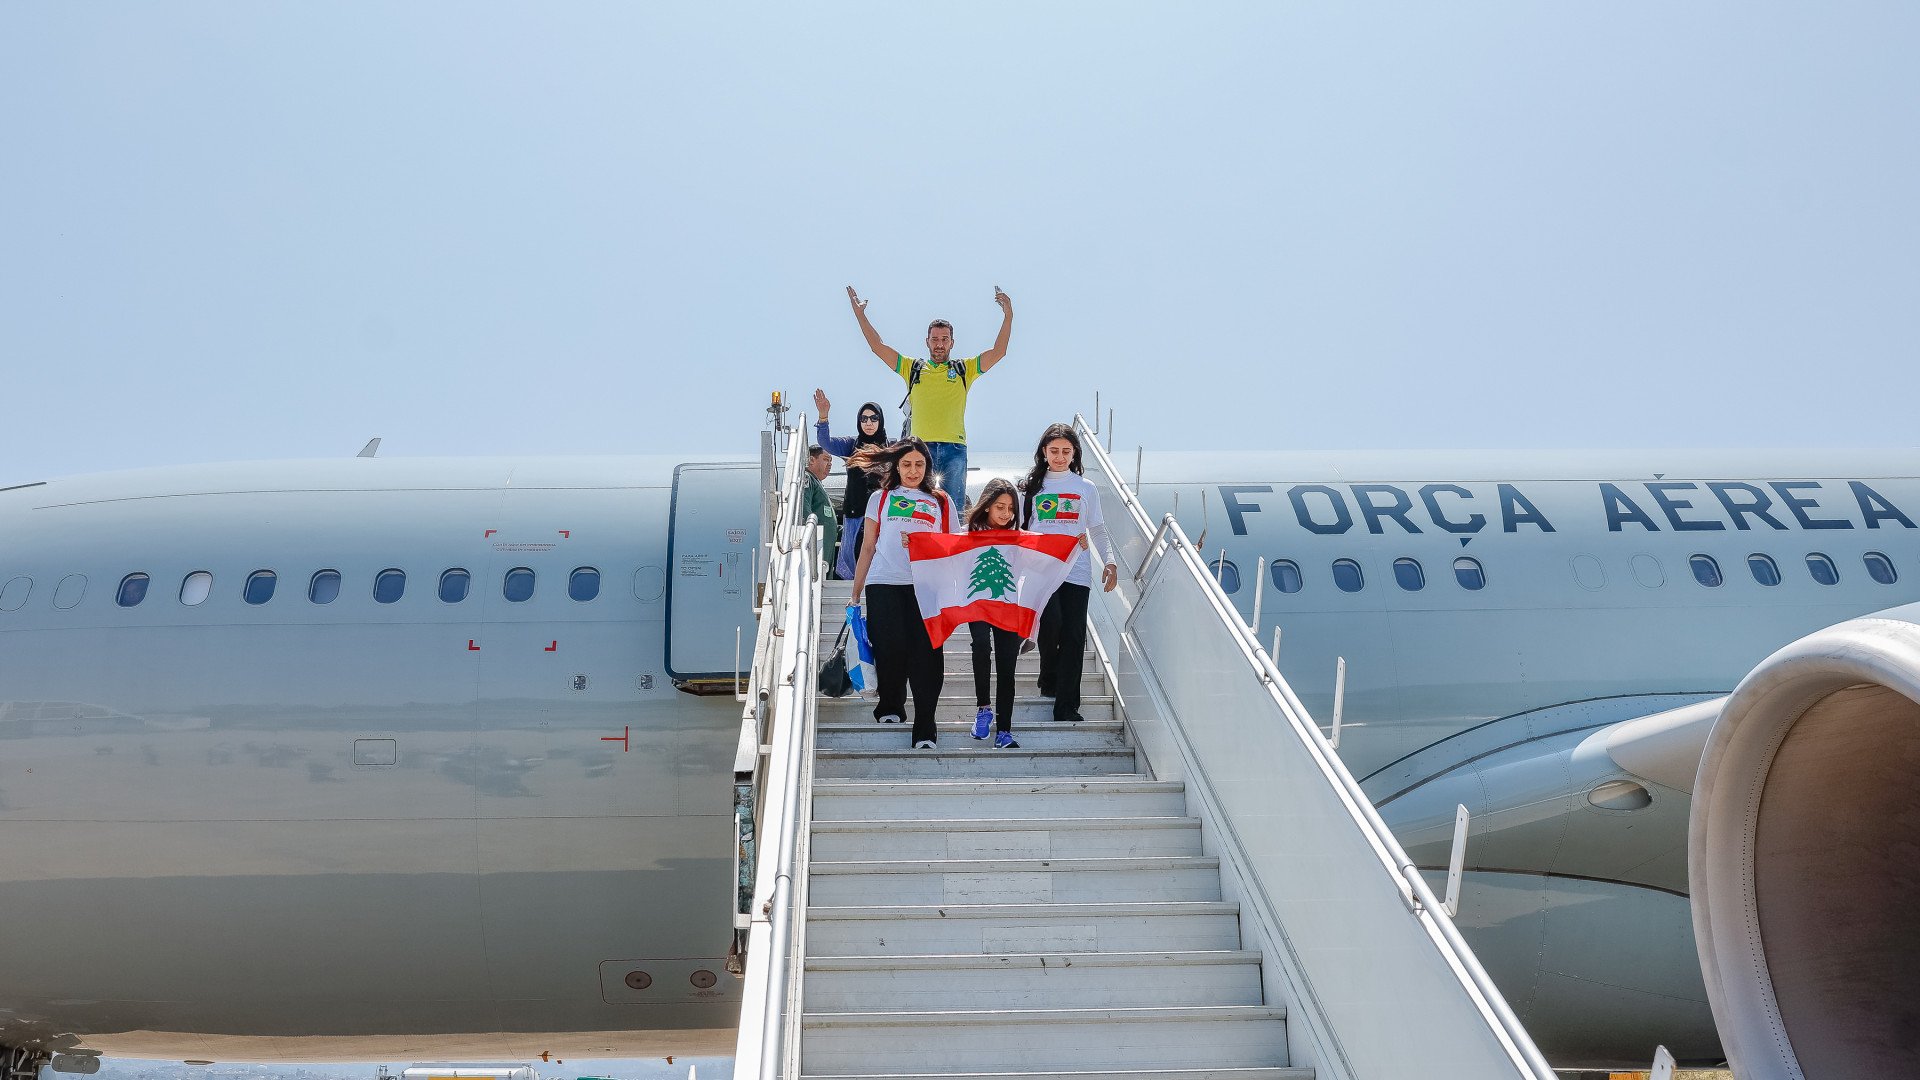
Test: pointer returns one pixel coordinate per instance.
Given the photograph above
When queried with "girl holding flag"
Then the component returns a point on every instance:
(994, 650)
(904, 502)
(1060, 501)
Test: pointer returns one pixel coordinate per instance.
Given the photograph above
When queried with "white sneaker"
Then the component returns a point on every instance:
(891, 718)
(925, 744)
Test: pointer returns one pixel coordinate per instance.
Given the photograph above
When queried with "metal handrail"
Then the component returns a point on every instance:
(783, 687)
(769, 992)
(1415, 893)
(792, 487)
(1153, 545)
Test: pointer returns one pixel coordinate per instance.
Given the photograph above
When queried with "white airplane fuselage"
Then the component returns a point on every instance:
(292, 830)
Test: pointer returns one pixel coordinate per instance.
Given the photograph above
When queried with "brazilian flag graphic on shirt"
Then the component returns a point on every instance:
(1057, 508)
(904, 507)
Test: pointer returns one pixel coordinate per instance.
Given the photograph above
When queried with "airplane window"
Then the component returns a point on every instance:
(71, 590)
(584, 585)
(14, 595)
(1705, 570)
(1468, 572)
(133, 589)
(1286, 575)
(1764, 570)
(1880, 567)
(196, 588)
(260, 585)
(1227, 574)
(325, 587)
(519, 584)
(1822, 569)
(453, 586)
(1347, 575)
(390, 586)
(1408, 573)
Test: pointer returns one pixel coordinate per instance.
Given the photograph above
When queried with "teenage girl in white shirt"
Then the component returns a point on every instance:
(1059, 500)
(904, 502)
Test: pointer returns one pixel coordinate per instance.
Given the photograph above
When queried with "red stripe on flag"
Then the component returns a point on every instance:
(923, 546)
(995, 612)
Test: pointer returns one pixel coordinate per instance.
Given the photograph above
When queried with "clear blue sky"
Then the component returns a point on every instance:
(260, 231)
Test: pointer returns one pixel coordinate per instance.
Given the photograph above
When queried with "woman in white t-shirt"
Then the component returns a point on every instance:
(1060, 501)
(904, 502)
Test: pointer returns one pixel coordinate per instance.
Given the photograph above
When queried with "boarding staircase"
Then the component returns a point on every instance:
(1041, 911)
(1114, 898)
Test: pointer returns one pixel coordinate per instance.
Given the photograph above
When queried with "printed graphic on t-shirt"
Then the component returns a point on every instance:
(1057, 508)
(908, 508)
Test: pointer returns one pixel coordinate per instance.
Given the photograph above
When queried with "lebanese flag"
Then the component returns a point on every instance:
(1002, 578)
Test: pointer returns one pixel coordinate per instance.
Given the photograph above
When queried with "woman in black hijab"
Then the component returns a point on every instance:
(869, 430)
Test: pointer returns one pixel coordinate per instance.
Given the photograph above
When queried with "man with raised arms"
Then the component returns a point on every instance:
(937, 388)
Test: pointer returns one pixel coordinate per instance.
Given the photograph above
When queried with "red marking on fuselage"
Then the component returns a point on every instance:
(490, 532)
(471, 647)
(625, 734)
(568, 533)
(552, 646)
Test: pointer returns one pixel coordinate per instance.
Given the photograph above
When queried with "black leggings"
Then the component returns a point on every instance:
(995, 650)
(1063, 641)
(903, 655)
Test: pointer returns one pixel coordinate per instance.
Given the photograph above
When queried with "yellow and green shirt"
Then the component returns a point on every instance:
(939, 400)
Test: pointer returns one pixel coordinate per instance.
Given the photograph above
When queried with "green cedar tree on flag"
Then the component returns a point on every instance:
(992, 575)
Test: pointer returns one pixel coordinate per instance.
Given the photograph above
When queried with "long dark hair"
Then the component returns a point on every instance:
(996, 487)
(879, 436)
(882, 463)
(1039, 474)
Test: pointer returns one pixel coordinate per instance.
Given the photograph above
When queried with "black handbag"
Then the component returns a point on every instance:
(834, 681)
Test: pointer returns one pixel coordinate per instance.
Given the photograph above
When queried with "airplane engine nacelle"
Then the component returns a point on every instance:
(1803, 857)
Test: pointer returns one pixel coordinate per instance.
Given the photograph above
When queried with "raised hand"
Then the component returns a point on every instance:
(820, 404)
(1005, 301)
(886, 353)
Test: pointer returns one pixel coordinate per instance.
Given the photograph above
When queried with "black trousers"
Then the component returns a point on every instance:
(1062, 640)
(903, 656)
(995, 651)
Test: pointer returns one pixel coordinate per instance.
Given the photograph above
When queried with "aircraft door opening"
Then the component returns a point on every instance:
(712, 534)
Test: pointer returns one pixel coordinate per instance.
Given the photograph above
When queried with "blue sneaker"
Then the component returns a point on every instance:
(983, 722)
(1004, 741)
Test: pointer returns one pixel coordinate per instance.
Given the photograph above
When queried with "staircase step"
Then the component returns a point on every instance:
(1254, 1073)
(904, 929)
(957, 711)
(1002, 838)
(863, 733)
(1014, 881)
(1032, 981)
(957, 692)
(849, 799)
(1043, 1039)
(965, 757)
